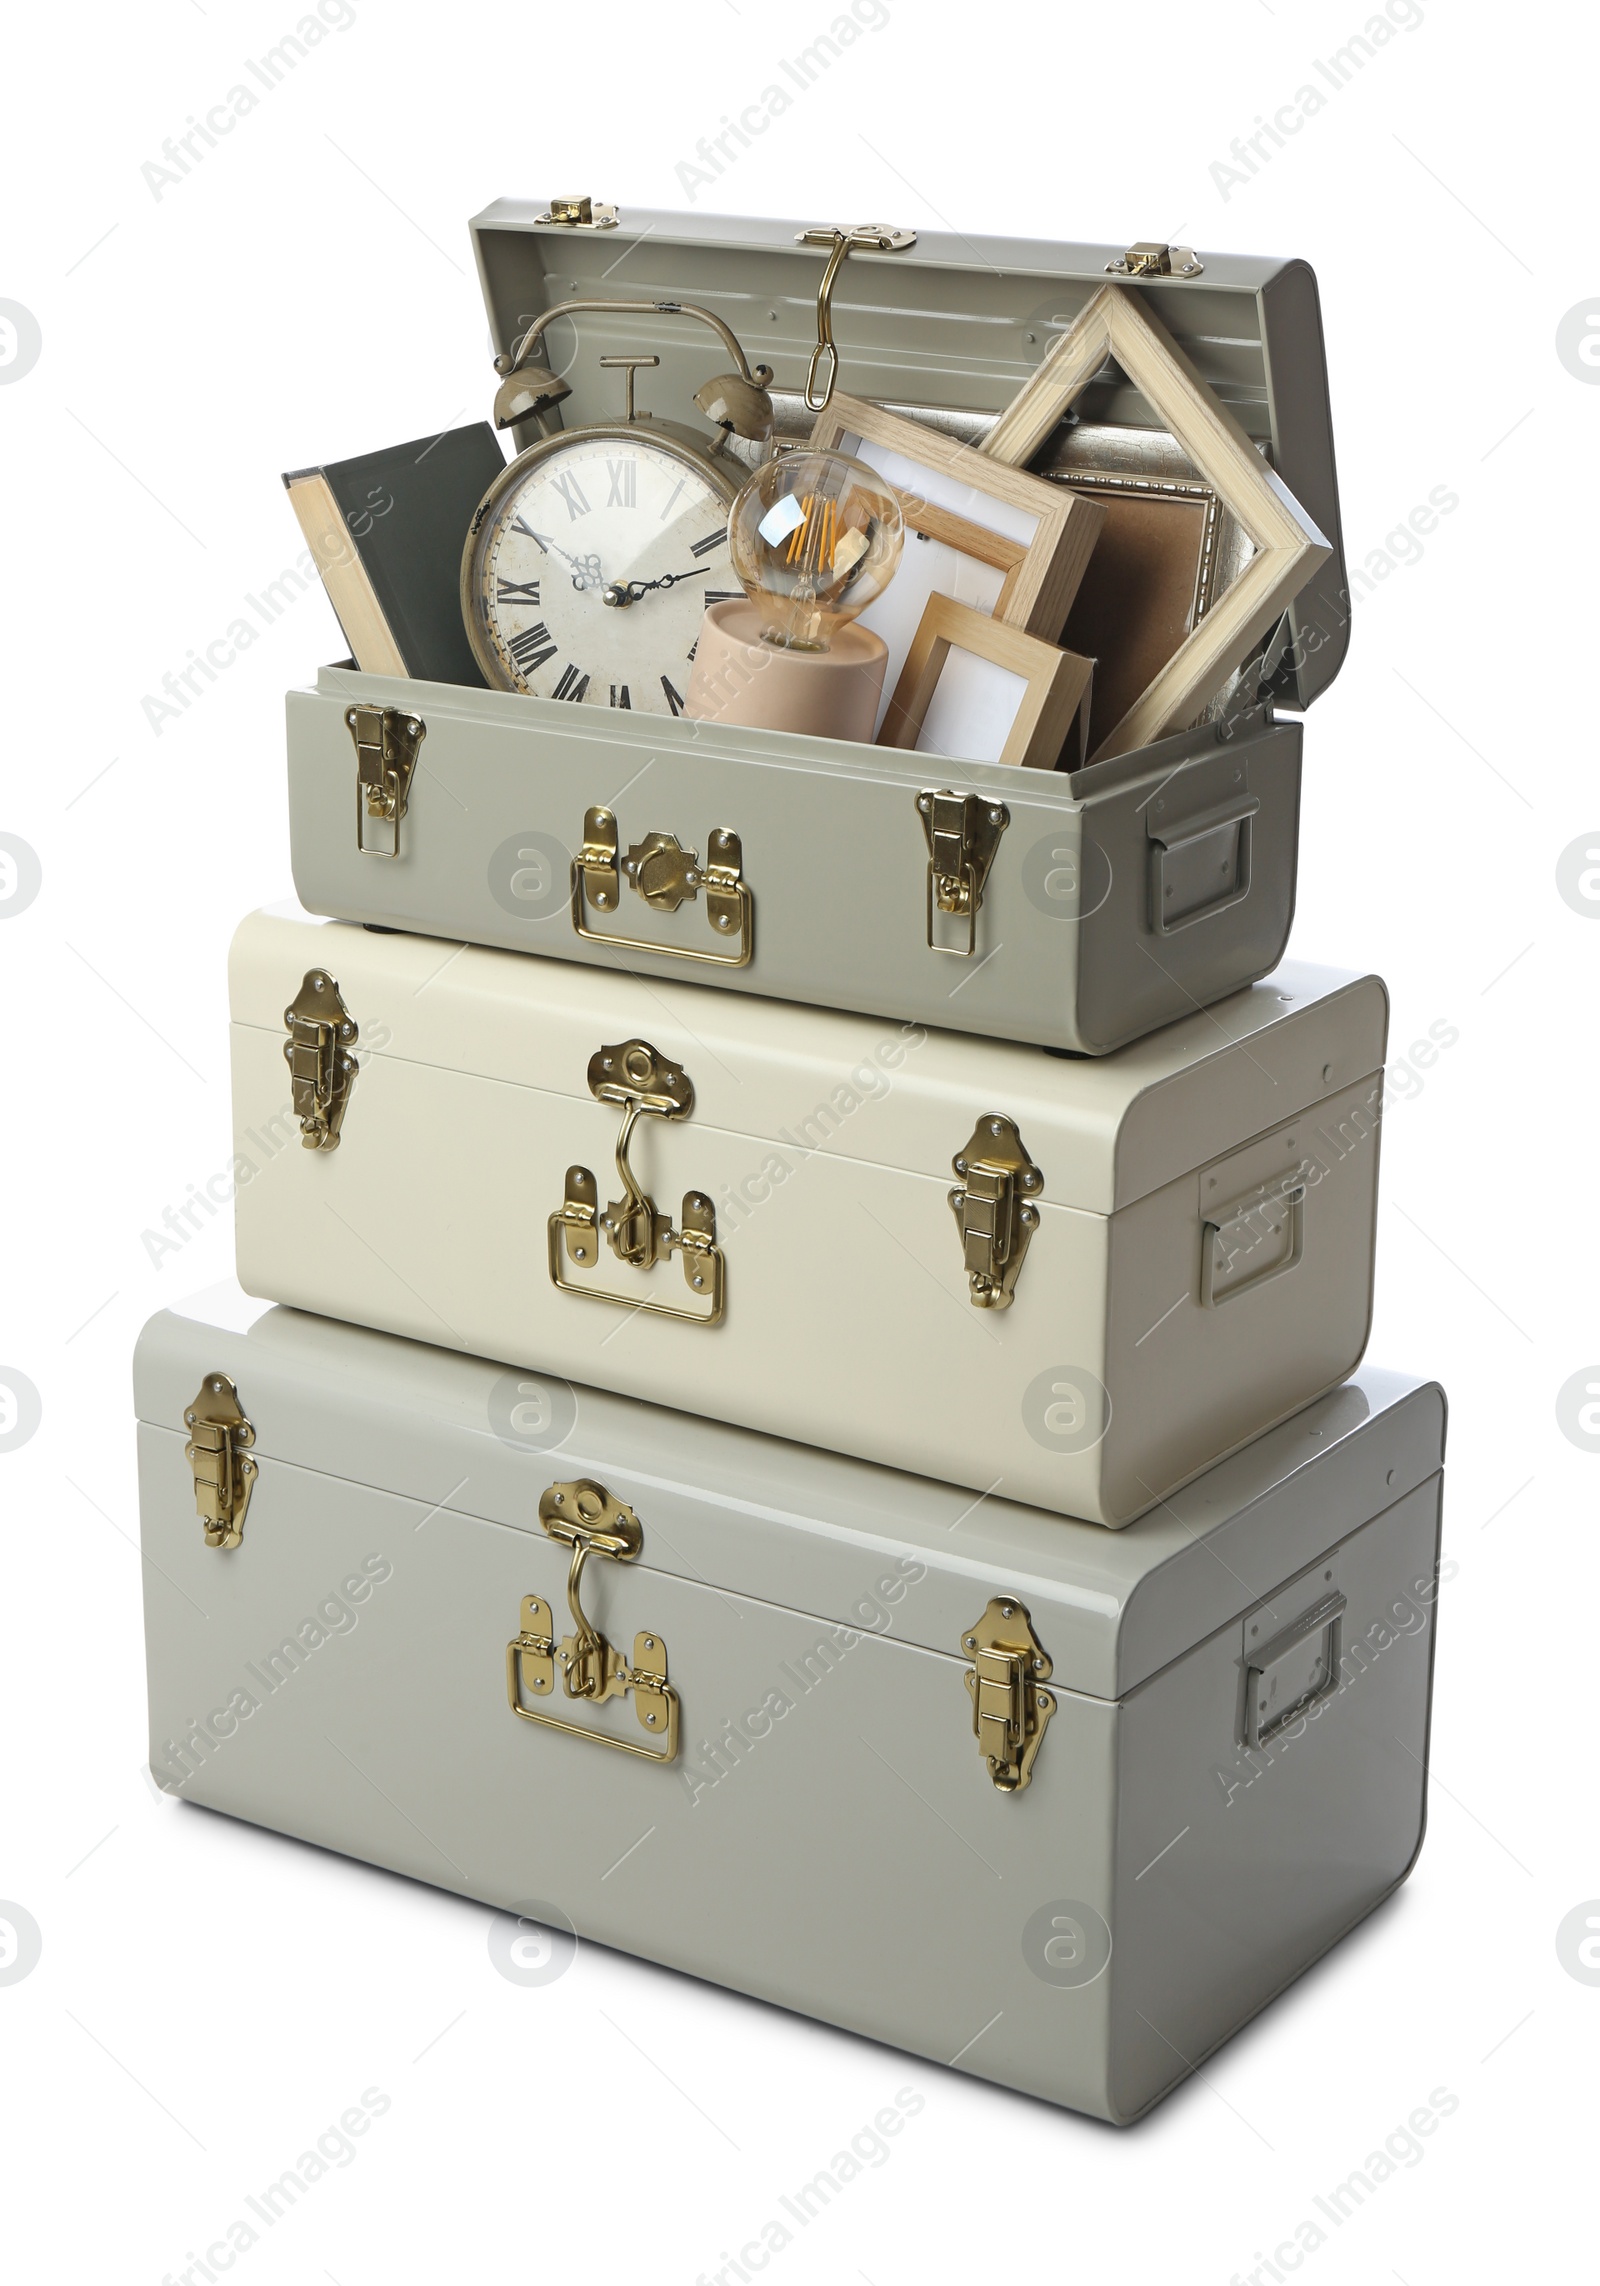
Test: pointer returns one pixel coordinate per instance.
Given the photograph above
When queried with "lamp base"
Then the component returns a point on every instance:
(740, 679)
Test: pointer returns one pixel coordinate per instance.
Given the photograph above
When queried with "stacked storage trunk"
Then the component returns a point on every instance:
(938, 1268)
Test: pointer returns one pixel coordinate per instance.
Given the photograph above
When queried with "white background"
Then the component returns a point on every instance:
(208, 1997)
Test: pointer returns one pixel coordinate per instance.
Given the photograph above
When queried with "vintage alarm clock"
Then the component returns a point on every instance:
(591, 561)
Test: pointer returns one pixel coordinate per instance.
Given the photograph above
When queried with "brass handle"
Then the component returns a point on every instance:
(585, 1518)
(644, 1084)
(666, 875)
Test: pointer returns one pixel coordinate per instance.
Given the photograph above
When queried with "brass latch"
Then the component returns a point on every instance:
(218, 1452)
(870, 237)
(963, 833)
(584, 1517)
(994, 1218)
(645, 1085)
(386, 743)
(321, 1067)
(1009, 1708)
(579, 214)
(666, 875)
(1151, 259)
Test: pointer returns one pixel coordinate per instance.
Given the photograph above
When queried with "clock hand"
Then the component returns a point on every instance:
(587, 568)
(622, 592)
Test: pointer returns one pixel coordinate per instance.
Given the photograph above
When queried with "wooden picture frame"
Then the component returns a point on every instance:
(1117, 323)
(995, 537)
(1054, 696)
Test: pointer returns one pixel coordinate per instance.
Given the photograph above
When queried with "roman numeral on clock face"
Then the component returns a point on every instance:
(519, 524)
(516, 590)
(572, 493)
(624, 475)
(674, 698)
(571, 686)
(709, 544)
(531, 648)
(621, 695)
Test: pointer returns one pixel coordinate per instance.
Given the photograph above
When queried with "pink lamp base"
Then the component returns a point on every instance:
(740, 679)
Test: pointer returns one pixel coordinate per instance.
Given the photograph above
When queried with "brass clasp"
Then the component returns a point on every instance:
(666, 875)
(993, 1209)
(321, 1068)
(1009, 1709)
(220, 1438)
(386, 743)
(963, 832)
(642, 1082)
(879, 238)
(583, 1516)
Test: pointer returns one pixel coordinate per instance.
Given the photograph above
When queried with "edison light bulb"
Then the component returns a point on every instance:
(814, 536)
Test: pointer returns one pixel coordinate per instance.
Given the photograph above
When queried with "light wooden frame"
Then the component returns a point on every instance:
(1043, 575)
(1117, 323)
(1057, 682)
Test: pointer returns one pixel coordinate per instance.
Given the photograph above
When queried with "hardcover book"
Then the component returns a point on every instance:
(387, 530)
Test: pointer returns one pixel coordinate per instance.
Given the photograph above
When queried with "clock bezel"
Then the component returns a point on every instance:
(727, 481)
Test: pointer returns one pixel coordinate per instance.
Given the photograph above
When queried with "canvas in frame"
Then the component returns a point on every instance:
(1021, 713)
(1288, 546)
(993, 537)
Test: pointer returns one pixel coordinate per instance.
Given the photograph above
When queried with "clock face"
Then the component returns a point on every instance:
(589, 576)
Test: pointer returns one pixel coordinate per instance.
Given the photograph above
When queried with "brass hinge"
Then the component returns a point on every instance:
(666, 875)
(637, 1078)
(220, 1438)
(584, 1517)
(579, 214)
(994, 1218)
(321, 1068)
(1151, 259)
(963, 832)
(1009, 1708)
(386, 743)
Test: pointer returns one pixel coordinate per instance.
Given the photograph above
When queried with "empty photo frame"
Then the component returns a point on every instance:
(978, 691)
(989, 536)
(1117, 323)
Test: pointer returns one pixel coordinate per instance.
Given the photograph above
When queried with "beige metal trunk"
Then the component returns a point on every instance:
(1076, 1282)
